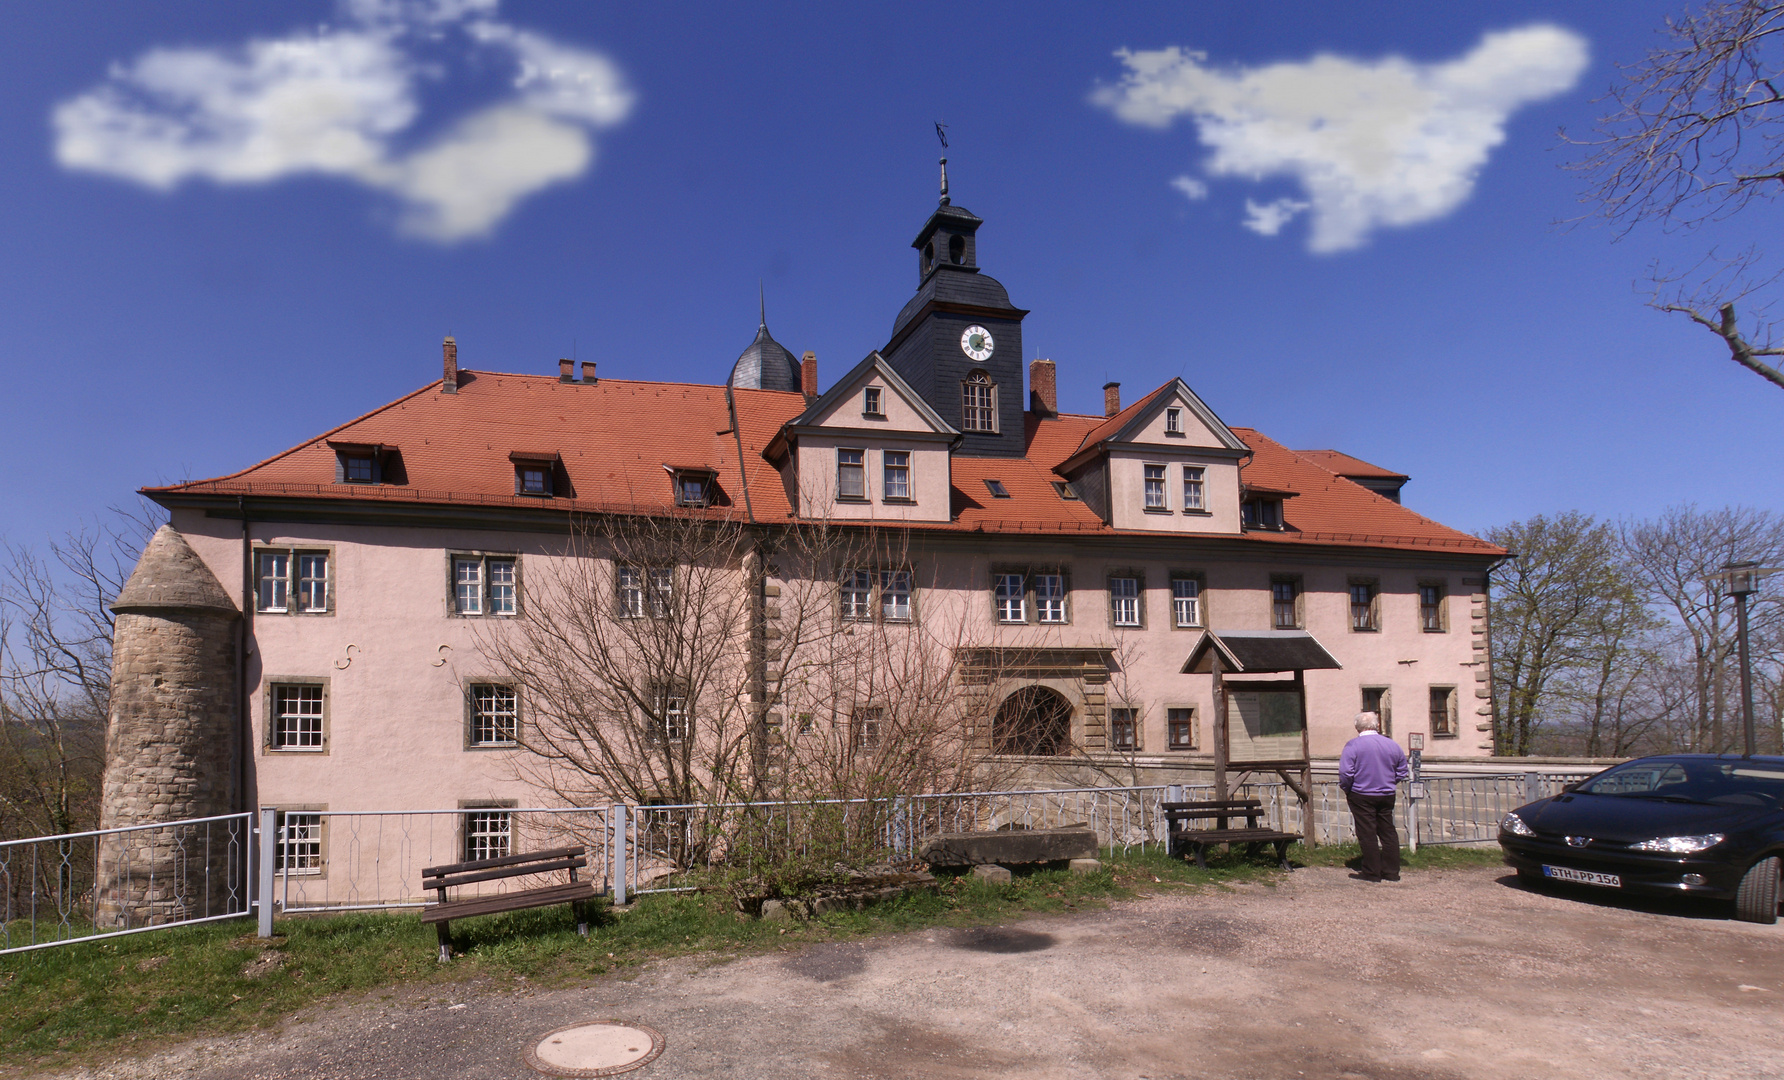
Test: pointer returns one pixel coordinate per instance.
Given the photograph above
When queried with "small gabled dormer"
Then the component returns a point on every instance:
(870, 448)
(1164, 464)
(1261, 508)
(366, 463)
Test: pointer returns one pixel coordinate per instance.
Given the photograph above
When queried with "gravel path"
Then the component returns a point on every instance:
(1448, 974)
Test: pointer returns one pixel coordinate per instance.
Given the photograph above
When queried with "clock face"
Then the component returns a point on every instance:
(976, 343)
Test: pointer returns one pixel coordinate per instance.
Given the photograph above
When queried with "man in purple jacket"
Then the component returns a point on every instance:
(1371, 765)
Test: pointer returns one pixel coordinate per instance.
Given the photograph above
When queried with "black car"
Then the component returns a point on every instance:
(1679, 824)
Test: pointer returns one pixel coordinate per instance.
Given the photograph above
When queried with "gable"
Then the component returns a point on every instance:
(872, 383)
(1195, 423)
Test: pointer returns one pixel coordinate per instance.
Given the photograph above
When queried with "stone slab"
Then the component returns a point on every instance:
(1086, 866)
(1010, 847)
(991, 872)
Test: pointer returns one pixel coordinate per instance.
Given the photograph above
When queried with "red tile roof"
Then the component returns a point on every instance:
(1343, 464)
(614, 437)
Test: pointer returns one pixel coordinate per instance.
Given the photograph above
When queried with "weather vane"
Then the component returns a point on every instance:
(941, 132)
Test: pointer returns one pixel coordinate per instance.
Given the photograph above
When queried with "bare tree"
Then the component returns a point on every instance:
(1695, 133)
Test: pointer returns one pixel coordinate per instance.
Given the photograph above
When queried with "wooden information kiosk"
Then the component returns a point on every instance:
(1260, 724)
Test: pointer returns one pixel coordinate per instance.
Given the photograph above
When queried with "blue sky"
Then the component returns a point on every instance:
(231, 227)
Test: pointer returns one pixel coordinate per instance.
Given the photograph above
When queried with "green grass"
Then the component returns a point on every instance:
(98, 1000)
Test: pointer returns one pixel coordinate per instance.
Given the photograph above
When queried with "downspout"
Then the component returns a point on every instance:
(1487, 610)
(755, 581)
(244, 729)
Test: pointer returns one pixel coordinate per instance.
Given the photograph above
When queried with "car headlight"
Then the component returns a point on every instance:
(1679, 845)
(1514, 824)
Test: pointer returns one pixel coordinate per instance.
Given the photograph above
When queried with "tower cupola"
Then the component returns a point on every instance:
(766, 364)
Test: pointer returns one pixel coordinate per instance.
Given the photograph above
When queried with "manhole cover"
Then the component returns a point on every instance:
(596, 1048)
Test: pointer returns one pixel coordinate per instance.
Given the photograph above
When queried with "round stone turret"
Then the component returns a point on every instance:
(171, 744)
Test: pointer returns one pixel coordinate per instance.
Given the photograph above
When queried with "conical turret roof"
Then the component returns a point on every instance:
(766, 364)
(171, 576)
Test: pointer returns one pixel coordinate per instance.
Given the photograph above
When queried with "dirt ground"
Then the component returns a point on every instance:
(1448, 974)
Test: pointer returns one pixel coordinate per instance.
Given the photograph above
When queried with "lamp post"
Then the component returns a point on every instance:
(1742, 579)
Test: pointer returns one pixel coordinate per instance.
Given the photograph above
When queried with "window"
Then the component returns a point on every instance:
(1012, 606)
(997, 489)
(896, 482)
(1186, 601)
(1431, 608)
(1194, 496)
(485, 585)
(693, 489)
(1363, 607)
(802, 723)
(870, 402)
(851, 474)
(488, 835)
(358, 469)
(1285, 603)
(292, 581)
(1049, 597)
(1181, 728)
(362, 463)
(1173, 421)
(1065, 491)
(532, 478)
(1443, 712)
(978, 410)
(895, 595)
(1155, 487)
(865, 727)
(495, 715)
(628, 591)
(857, 594)
(1124, 729)
(297, 716)
(673, 714)
(662, 591)
(1124, 600)
(299, 849)
(1378, 700)
(1261, 513)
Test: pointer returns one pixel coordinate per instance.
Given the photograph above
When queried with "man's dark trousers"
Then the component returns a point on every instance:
(1374, 817)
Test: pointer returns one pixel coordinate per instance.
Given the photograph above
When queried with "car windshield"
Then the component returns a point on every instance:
(1734, 783)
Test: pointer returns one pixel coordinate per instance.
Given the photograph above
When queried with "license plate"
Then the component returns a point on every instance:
(1583, 877)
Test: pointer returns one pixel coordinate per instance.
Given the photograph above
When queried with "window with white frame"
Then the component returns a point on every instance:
(1194, 492)
(299, 850)
(851, 474)
(292, 580)
(1173, 421)
(870, 402)
(676, 720)
(485, 585)
(1155, 487)
(1124, 729)
(1010, 599)
(978, 408)
(895, 595)
(1049, 597)
(1180, 725)
(857, 594)
(495, 715)
(896, 474)
(865, 727)
(628, 591)
(1124, 600)
(489, 834)
(297, 716)
(1186, 601)
(662, 591)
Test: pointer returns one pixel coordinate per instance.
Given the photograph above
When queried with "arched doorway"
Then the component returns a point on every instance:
(1033, 720)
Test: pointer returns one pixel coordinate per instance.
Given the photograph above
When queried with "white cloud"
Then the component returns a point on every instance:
(1267, 219)
(337, 102)
(1373, 144)
(1192, 188)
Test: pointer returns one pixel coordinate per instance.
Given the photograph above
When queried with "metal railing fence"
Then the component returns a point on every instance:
(57, 890)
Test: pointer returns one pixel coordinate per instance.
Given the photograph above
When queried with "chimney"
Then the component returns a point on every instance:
(808, 376)
(1111, 398)
(1043, 388)
(566, 370)
(588, 371)
(449, 383)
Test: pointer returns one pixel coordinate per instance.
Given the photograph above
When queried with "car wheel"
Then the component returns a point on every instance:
(1757, 898)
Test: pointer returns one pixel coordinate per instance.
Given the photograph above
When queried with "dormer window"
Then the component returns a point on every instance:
(690, 490)
(357, 463)
(1261, 513)
(534, 474)
(870, 403)
(1174, 422)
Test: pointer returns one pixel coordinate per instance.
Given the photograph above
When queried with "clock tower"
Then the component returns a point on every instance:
(958, 342)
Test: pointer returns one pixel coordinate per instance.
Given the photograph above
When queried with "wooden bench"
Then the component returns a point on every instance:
(441, 878)
(1180, 821)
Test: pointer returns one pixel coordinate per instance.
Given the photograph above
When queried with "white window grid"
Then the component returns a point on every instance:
(978, 410)
(1194, 495)
(1186, 601)
(864, 727)
(677, 723)
(467, 586)
(897, 474)
(870, 401)
(502, 586)
(895, 595)
(297, 717)
(488, 834)
(1155, 487)
(628, 589)
(312, 581)
(299, 850)
(1049, 597)
(857, 594)
(495, 715)
(1173, 421)
(851, 474)
(662, 591)
(275, 581)
(1012, 605)
(1124, 600)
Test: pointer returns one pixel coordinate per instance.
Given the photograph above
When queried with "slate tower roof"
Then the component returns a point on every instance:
(766, 364)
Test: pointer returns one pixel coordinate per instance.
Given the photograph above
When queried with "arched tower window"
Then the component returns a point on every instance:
(978, 411)
(957, 249)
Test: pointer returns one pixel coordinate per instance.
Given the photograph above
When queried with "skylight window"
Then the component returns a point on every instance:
(997, 489)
